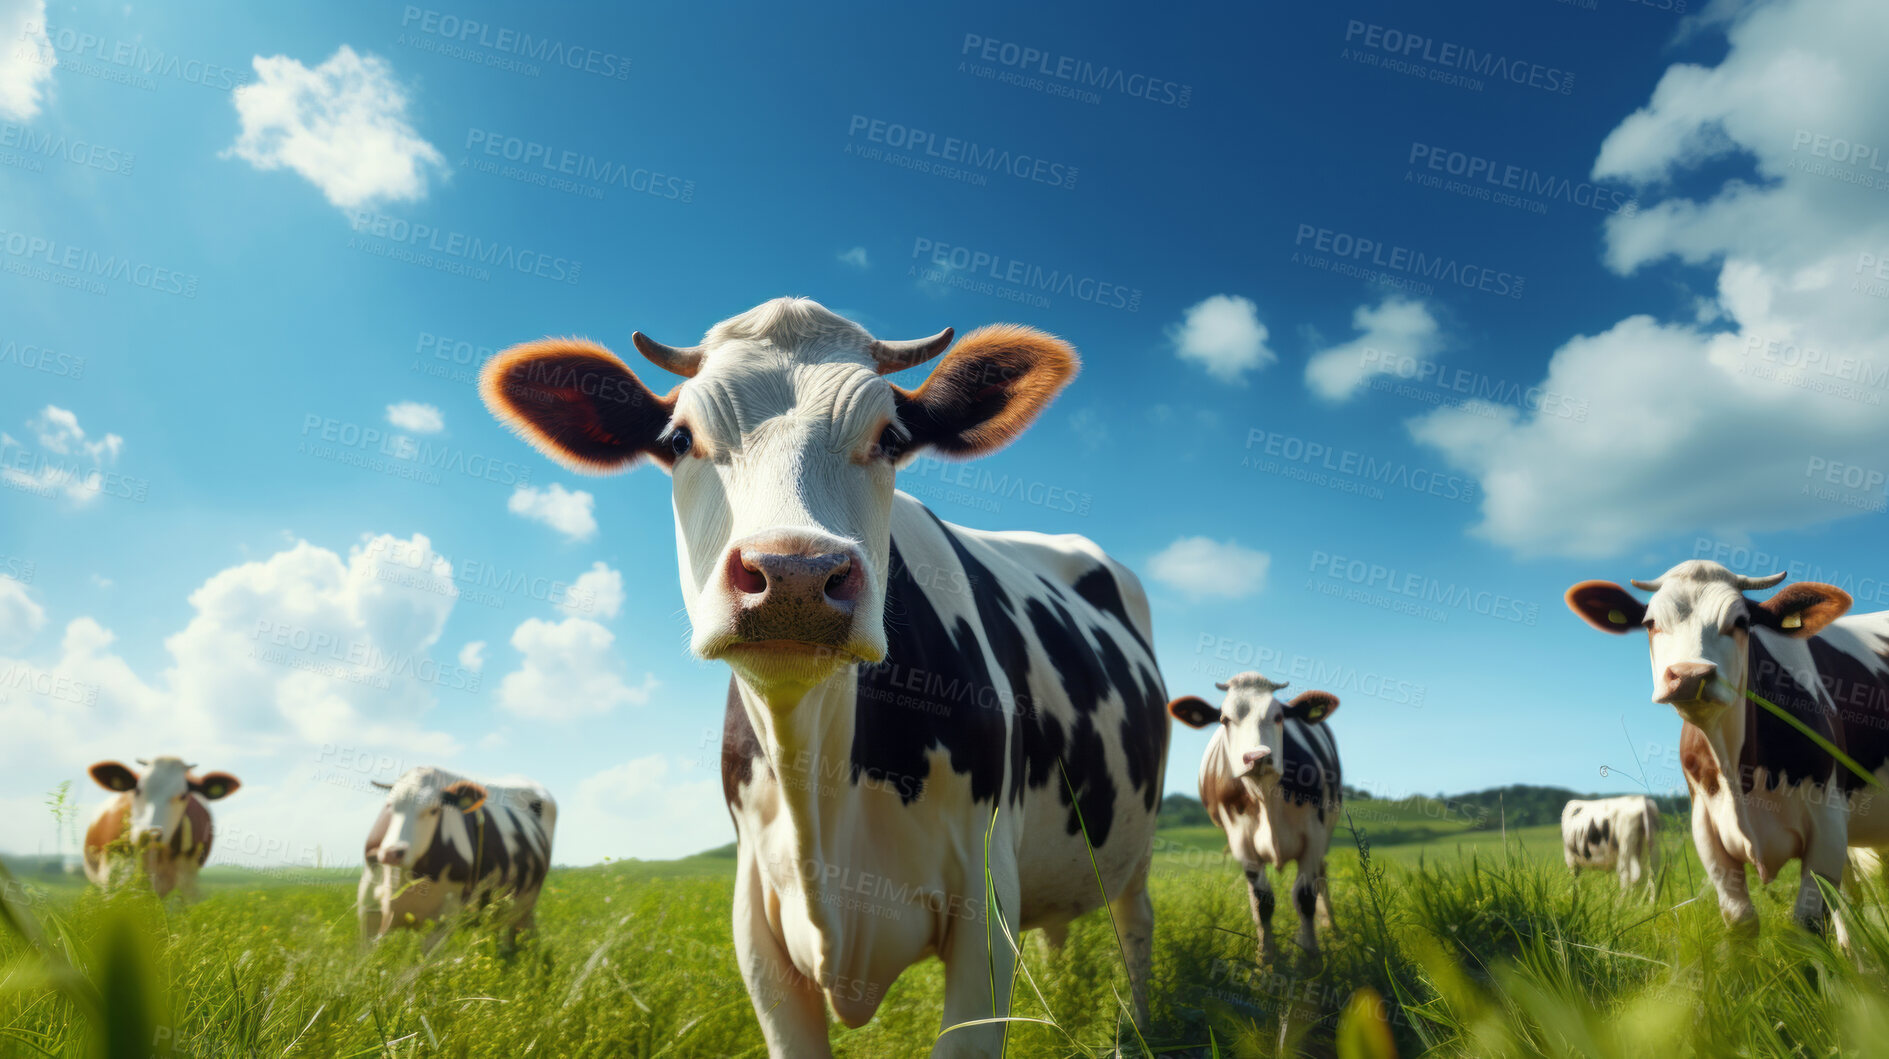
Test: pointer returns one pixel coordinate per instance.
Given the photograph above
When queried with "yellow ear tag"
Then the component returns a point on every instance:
(1616, 617)
(1792, 621)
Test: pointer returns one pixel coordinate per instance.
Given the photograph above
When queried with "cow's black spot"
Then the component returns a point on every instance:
(932, 690)
(1305, 776)
(1861, 696)
(1786, 755)
(1087, 762)
(740, 747)
(1099, 588)
(1083, 681)
(1145, 734)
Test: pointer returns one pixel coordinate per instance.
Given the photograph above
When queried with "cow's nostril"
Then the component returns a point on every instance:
(746, 576)
(842, 586)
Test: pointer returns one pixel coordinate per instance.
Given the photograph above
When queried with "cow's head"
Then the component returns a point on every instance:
(1252, 722)
(425, 806)
(1698, 626)
(781, 442)
(158, 796)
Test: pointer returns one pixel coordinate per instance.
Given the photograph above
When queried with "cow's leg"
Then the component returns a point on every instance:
(980, 967)
(790, 1006)
(1134, 917)
(1727, 874)
(1324, 900)
(1305, 900)
(1259, 893)
(1824, 859)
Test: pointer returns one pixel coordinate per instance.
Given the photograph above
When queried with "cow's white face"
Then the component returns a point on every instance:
(1699, 626)
(782, 443)
(1252, 724)
(158, 795)
(427, 806)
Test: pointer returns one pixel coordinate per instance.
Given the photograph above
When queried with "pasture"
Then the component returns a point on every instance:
(1479, 940)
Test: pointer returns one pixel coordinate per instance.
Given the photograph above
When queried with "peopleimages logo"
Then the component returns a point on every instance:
(508, 45)
(1023, 60)
(1510, 185)
(1448, 56)
(952, 151)
(1359, 251)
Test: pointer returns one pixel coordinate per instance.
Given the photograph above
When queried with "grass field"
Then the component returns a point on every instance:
(1481, 942)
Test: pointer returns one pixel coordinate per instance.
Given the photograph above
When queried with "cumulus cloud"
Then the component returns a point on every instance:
(855, 257)
(63, 459)
(20, 617)
(597, 592)
(472, 656)
(1724, 420)
(1201, 567)
(26, 60)
(567, 511)
(1394, 337)
(342, 126)
(569, 670)
(1223, 334)
(290, 672)
(648, 806)
(416, 417)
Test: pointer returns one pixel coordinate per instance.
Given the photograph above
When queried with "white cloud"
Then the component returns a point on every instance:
(1223, 334)
(650, 801)
(1395, 337)
(569, 671)
(416, 417)
(343, 126)
(1200, 566)
(567, 511)
(597, 592)
(66, 460)
(1717, 421)
(289, 670)
(26, 58)
(855, 257)
(472, 656)
(20, 617)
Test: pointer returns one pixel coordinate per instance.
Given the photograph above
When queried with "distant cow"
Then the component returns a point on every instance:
(1763, 792)
(925, 721)
(158, 824)
(444, 842)
(1612, 834)
(1271, 780)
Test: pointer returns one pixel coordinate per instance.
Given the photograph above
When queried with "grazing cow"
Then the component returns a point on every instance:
(158, 824)
(1763, 792)
(1613, 834)
(913, 703)
(444, 842)
(1271, 780)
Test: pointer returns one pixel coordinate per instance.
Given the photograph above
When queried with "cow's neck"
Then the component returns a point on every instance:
(808, 743)
(1725, 731)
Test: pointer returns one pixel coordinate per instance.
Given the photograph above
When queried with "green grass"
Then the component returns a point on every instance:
(1480, 947)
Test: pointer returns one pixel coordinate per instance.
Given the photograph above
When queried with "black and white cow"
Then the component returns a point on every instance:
(443, 842)
(1271, 780)
(1612, 834)
(1763, 793)
(912, 702)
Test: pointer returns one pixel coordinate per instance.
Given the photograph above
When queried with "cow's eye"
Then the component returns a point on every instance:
(888, 444)
(681, 441)
(1741, 622)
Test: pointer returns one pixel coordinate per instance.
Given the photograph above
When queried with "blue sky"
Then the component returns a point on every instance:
(1664, 343)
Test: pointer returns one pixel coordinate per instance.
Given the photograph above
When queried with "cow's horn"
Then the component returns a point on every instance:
(683, 362)
(1751, 584)
(190, 766)
(142, 760)
(1221, 685)
(897, 356)
(1646, 586)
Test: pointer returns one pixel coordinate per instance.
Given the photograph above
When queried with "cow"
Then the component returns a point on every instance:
(1271, 780)
(158, 824)
(1613, 834)
(1764, 792)
(927, 726)
(443, 842)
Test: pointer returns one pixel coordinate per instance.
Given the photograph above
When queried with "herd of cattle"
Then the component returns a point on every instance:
(928, 726)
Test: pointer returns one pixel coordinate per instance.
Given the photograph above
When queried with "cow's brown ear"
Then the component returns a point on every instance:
(1606, 606)
(215, 785)
(114, 777)
(464, 796)
(1802, 609)
(1312, 707)
(986, 391)
(1193, 711)
(577, 403)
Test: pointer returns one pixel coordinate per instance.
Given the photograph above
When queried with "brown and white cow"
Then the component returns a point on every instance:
(443, 842)
(1612, 834)
(158, 825)
(925, 721)
(1764, 793)
(1271, 780)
